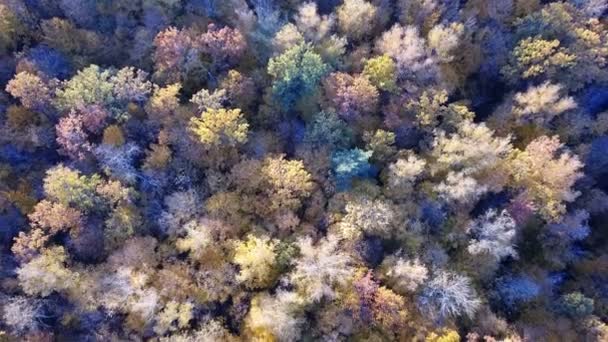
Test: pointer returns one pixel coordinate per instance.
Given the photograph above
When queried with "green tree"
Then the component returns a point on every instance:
(296, 73)
(90, 85)
(70, 188)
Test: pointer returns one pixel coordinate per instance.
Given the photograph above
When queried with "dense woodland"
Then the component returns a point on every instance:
(285, 170)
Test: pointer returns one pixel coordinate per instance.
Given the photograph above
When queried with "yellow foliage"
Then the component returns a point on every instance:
(220, 127)
(256, 258)
(446, 335)
(113, 135)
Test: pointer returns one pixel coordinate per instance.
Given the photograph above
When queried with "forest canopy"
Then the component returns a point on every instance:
(282, 170)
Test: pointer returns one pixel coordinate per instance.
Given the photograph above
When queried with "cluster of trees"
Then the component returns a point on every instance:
(279, 170)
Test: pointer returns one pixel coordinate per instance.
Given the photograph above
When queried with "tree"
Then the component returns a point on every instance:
(89, 86)
(27, 246)
(547, 174)
(460, 188)
(447, 335)
(403, 275)
(444, 40)
(171, 49)
(225, 45)
(286, 38)
(534, 57)
(210, 330)
(205, 100)
(295, 73)
(113, 136)
(63, 35)
(220, 127)
(240, 89)
(576, 305)
(117, 161)
(592, 8)
(541, 104)
(409, 50)
(10, 28)
(376, 305)
(327, 130)
(357, 18)
(174, 316)
(320, 268)
(22, 314)
(402, 175)
(381, 142)
(46, 273)
(131, 85)
(256, 259)
(314, 27)
(164, 102)
(55, 217)
(516, 290)
(181, 207)
(158, 156)
(374, 217)
(286, 183)
(198, 238)
(350, 164)
(472, 150)
(72, 137)
(70, 188)
(275, 317)
(493, 234)
(447, 295)
(351, 97)
(381, 72)
(31, 90)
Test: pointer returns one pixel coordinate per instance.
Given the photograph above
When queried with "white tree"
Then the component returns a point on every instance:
(448, 294)
(279, 314)
(408, 49)
(541, 103)
(472, 149)
(357, 18)
(404, 275)
(493, 235)
(320, 268)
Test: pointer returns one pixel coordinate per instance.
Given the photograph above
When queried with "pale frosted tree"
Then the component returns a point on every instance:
(540, 104)
(357, 18)
(320, 268)
(204, 99)
(460, 188)
(408, 49)
(313, 26)
(403, 174)
(279, 316)
(46, 273)
(197, 239)
(448, 295)
(473, 149)
(131, 85)
(286, 38)
(375, 217)
(181, 207)
(445, 40)
(493, 235)
(404, 275)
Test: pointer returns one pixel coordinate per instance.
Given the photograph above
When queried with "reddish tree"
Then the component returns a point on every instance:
(351, 97)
